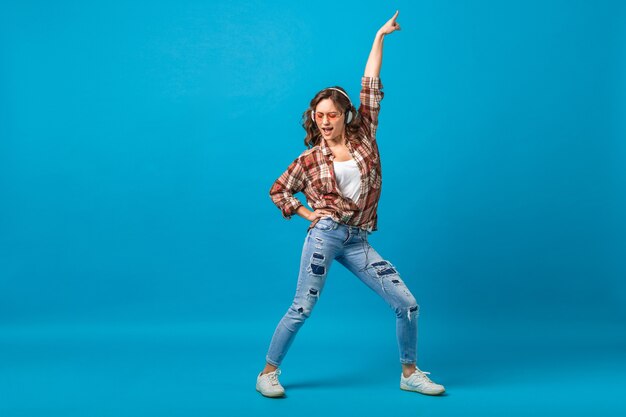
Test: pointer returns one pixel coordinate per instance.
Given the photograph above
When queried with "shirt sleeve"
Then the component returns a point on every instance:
(371, 96)
(289, 183)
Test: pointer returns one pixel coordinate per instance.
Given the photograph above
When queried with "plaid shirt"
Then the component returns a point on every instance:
(312, 172)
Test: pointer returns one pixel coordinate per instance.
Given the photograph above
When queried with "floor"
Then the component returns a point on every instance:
(209, 369)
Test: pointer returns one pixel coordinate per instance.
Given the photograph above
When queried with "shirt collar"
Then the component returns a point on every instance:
(325, 149)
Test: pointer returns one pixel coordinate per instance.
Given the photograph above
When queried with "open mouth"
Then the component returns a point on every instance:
(326, 130)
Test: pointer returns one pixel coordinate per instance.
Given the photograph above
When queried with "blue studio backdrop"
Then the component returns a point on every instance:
(143, 266)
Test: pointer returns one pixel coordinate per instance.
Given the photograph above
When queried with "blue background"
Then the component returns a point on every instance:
(143, 267)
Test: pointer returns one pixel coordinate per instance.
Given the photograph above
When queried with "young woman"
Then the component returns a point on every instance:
(340, 176)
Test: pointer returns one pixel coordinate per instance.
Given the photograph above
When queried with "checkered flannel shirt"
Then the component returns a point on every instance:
(312, 172)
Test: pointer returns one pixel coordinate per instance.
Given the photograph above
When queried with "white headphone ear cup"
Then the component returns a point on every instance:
(313, 115)
(349, 116)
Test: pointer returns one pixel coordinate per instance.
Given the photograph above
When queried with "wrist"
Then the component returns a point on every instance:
(305, 213)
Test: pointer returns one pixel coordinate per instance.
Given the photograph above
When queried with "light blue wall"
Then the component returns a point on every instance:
(138, 144)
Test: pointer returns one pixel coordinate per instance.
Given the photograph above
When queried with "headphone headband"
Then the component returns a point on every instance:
(349, 114)
(342, 92)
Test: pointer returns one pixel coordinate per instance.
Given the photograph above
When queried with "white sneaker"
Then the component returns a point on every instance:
(419, 382)
(268, 385)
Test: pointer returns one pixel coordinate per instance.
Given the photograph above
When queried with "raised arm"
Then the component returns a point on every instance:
(374, 61)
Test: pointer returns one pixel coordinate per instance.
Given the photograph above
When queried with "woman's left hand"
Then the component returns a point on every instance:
(391, 25)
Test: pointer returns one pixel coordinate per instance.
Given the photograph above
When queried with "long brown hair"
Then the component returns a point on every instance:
(313, 134)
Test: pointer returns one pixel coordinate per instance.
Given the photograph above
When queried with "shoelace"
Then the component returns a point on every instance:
(273, 377)
(421, 375)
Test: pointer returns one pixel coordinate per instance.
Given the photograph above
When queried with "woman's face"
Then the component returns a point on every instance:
(329, 119)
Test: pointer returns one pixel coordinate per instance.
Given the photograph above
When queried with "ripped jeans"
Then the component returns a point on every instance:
(329, 240)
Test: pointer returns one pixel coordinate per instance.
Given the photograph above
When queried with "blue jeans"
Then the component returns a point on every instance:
(329, 240)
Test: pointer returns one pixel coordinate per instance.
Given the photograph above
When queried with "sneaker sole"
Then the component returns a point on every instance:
(276, 395)
(422, 392)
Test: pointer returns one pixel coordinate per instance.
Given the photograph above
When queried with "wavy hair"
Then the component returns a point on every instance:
(313, 134)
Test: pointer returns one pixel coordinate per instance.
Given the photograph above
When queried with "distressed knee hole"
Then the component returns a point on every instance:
(317, 261)
(408, 312)
(304, 309)
(318, 269)
(313, 294)
(383, 268)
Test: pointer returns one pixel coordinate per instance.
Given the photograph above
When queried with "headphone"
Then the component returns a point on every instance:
(349, 113)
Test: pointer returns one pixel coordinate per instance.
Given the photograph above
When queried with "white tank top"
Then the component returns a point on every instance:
(348, 178)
